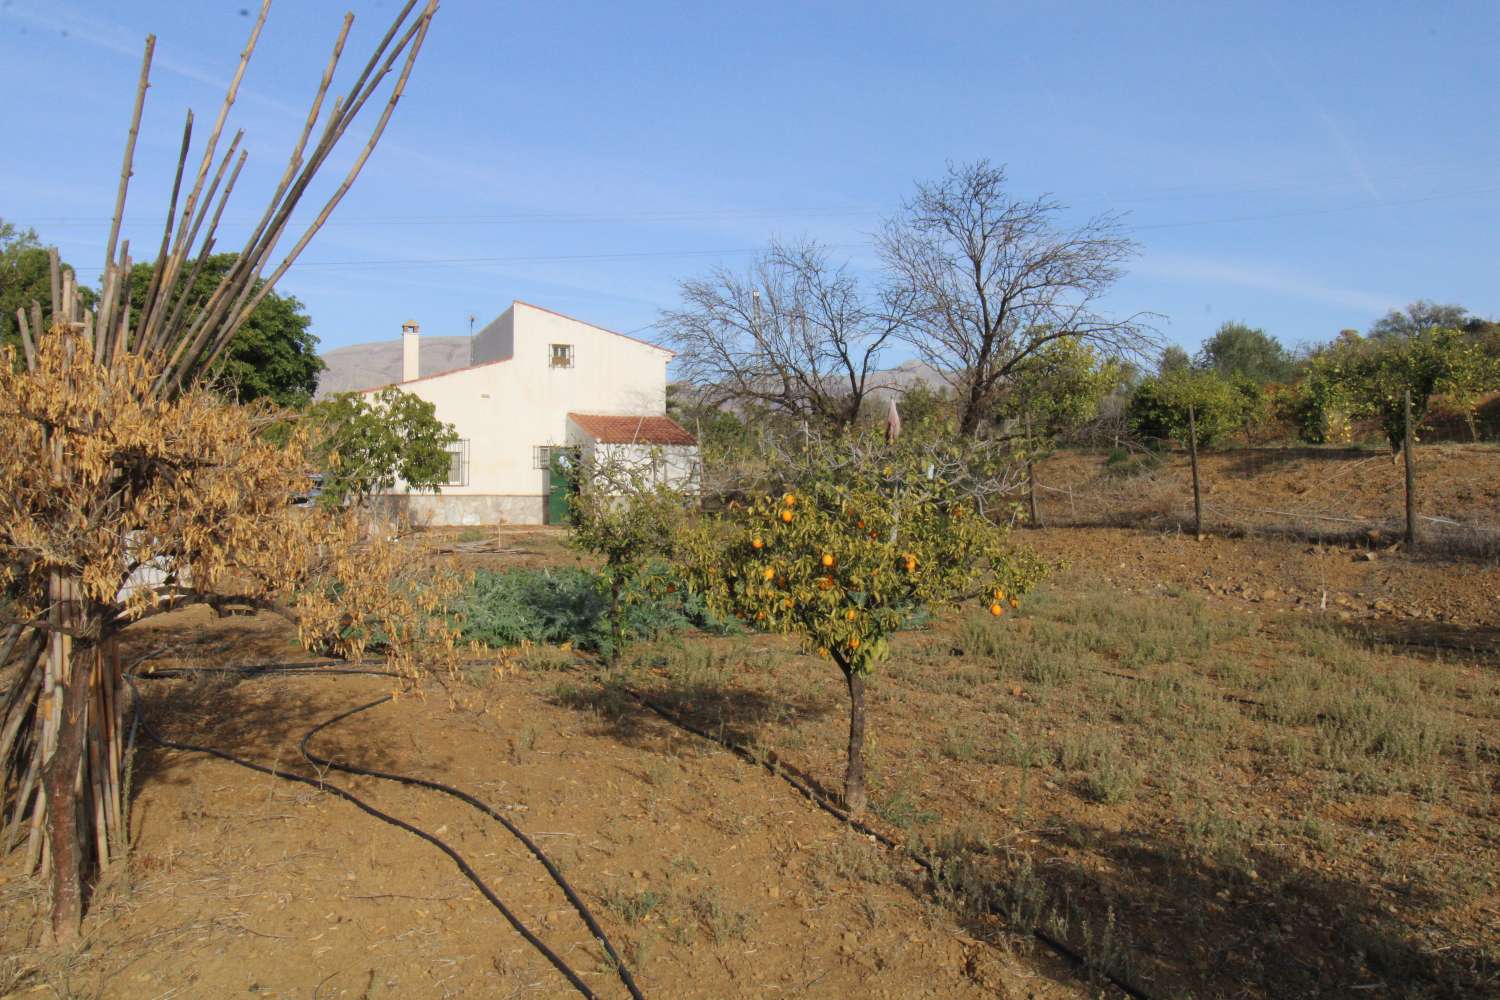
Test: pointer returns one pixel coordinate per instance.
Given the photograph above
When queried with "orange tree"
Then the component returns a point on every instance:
(857, 539)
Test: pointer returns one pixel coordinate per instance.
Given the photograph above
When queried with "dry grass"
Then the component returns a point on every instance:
(1162, 779)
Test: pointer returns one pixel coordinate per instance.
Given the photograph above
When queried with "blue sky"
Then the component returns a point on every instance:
(1301, 167)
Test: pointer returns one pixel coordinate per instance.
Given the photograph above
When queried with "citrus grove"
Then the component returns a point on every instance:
(844, 555)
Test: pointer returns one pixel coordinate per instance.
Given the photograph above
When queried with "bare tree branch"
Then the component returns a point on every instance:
(993, 278)
(795, 333)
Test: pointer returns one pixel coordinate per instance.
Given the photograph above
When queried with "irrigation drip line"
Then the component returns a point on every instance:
(458, 859)
(536, 852)
(770, 762)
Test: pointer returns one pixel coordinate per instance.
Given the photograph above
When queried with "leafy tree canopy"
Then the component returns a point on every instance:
(1173, 359)
(365, 445)
(1247, 352)
(1060, 388)
(1159, 409)
(275, 354)
(25, 277)
(1419, 317)
(1370, 377)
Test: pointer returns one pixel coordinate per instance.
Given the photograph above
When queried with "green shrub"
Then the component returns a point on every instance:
(571, 604)
(1159, 408)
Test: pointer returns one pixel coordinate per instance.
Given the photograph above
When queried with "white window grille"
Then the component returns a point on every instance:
(458, 463)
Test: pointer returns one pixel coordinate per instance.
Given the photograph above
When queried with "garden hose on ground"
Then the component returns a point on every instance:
(770, 762)
(463, 866)
(536, 852)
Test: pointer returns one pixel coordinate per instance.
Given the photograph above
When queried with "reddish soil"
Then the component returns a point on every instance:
(723, 880)
(716, 879)
(1315, 494)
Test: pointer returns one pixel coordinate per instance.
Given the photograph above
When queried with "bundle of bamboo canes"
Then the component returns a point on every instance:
(62, 746)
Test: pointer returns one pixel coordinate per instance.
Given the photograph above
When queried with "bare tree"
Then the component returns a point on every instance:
(795, 333)
(993, 278)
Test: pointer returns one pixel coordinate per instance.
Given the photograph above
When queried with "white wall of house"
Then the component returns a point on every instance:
(676, 465)
(504, 410)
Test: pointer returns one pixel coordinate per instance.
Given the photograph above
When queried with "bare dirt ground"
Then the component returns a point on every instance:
(713, 877)
(1239, 767)
(1315, 494)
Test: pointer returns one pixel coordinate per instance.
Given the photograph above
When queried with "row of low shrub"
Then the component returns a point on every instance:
(570, 604)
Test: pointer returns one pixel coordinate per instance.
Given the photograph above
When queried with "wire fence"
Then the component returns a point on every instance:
(1323, 495)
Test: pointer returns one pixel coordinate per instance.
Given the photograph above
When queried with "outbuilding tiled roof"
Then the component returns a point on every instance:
(612, 429)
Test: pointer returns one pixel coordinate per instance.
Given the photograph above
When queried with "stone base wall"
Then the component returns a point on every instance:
(468, 509)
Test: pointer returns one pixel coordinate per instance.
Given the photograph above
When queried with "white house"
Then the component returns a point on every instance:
(542, 389)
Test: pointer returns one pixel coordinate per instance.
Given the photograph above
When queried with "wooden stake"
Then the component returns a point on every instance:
(1036, 520)
(1411, 476)
(1193, 454)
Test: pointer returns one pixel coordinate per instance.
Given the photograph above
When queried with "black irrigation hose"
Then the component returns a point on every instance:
(536, 852)
(457, 858)
(802, 784)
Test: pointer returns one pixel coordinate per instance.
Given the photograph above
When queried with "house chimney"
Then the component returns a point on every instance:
(410, 351)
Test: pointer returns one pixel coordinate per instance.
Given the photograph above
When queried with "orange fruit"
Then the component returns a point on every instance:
(861, 523)
(1015, 602)
(786, 516)
(757, 543)
(769, 573)
(760, 616)
(827, 559)
(825, 582)
(996, 609)
(789, 499)
(851, 614)
(854, 643)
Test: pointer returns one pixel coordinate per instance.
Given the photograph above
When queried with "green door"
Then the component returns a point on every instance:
(562, 482)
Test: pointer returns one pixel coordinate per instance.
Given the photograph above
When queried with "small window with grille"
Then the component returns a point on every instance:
(562, 355)
(458, 463)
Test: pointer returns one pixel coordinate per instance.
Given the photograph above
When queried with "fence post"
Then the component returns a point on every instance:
(1411, 475)
(1193, 454)
(1036, 521)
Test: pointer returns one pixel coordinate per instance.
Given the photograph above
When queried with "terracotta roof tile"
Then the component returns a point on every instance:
(612, 429)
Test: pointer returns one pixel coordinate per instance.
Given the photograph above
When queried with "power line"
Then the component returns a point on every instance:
(668, 254)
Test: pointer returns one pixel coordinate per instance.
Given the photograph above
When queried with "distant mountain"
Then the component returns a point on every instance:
(369, 366)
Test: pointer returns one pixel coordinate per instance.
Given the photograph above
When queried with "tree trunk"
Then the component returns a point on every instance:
(60, 775)
(855, 798)
(616, 626)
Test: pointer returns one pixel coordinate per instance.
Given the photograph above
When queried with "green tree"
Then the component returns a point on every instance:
(1370, 377)
(274, 355)
(1173, 359)
(1159, 408)
(862, 536)
(25, 277)
(626, 514)
(1059, 389)
(1418, 317)
(923, 408)
(1238, 350)
(365, 445)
